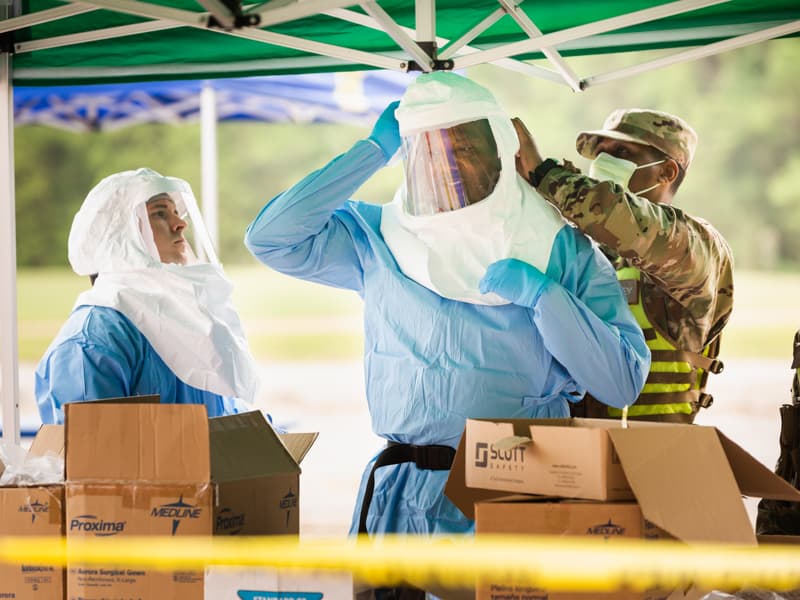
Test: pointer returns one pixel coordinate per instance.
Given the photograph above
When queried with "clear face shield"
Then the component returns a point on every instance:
(173, 230)
(448, 169)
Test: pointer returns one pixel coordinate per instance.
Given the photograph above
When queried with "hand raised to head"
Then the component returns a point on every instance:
(528, 157)
(386, 131)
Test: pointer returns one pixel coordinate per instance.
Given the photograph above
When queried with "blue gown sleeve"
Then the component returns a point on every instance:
(586, 323)
(300, 232)
(77, 371)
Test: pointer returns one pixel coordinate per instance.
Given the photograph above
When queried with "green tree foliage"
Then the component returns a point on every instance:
(744, 105)
(55, 169)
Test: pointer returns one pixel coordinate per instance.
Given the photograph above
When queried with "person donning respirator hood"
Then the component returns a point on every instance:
(184, 310)
(462, 206)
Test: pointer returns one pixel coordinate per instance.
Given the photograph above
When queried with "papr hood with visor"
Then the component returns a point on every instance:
(184, 311)
(462, 206)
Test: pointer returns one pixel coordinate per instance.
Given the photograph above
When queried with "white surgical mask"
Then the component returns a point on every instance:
(618, 170)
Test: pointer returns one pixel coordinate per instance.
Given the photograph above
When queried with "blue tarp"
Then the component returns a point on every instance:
(356, 97)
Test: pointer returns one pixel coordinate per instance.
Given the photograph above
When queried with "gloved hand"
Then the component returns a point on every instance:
(515, 280)
(386, 131)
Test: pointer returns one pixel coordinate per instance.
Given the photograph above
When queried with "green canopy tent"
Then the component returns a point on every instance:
(127, 40)
(43, 42)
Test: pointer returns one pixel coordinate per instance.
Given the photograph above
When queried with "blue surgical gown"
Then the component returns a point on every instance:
(430, 363)
(98, 354)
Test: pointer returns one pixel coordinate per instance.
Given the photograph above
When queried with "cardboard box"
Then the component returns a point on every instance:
(574, 459)
(233, 583)
(166, 469)
(256, 475)
(34, 511)
(688, 479)
(528, 515)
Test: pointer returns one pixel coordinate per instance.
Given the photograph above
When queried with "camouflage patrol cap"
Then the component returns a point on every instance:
(668, 133)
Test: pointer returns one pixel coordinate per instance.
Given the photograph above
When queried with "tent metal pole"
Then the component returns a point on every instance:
(425, 20)
(208, 161)
(506, 63)
(194, 71)
(532, 31)
(394, 31)
(93, 36)
(327, 51)
(9, 374)
(44, 16)
(178, 17)
(295, 10)
(340, 52)
(270, 16)
(484, 24)
(529, 70)
(154, 11)
(220, 12)
(695, 53)
(557, 38)
(669, 37)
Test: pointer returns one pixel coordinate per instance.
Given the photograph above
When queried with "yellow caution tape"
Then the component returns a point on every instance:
(554, 563)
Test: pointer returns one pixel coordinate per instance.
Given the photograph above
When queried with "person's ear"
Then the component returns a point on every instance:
(669, 171)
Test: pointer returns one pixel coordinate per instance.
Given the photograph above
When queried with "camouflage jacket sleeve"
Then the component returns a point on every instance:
(684, 255)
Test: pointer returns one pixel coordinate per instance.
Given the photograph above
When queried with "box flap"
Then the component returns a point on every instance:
(753, 478)
(613, 423)
(683, 482)
(456, 487)
(146, 399)
(298, 444)
(244, 446)
(530, 499)
(49, 440)
(136, 442)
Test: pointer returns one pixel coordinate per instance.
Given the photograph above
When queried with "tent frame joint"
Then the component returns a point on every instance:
(431, 48)
(240, 22)
(436, 65)
(230, 16)
(7, 44)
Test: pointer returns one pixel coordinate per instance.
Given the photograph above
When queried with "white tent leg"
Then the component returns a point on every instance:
(9, 375)
(208, 162)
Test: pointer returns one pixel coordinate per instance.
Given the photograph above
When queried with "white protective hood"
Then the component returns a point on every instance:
(184, 311)
(449, 253)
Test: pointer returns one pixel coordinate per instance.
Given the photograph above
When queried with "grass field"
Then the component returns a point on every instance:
(287, 319)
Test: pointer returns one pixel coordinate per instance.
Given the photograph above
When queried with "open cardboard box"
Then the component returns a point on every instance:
(661, 480)
(540, 515)
(36, 510)
(688, 479)
(138, 469)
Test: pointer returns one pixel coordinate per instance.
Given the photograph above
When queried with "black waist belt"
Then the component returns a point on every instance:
(433, 458)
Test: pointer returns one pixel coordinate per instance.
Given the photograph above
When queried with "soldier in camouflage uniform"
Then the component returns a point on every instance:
(676, 269)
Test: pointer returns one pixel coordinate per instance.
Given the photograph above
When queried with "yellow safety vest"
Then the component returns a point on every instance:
(675, 386)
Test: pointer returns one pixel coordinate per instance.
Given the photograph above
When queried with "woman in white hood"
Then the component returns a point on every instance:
(157, 320)
(479, 300)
